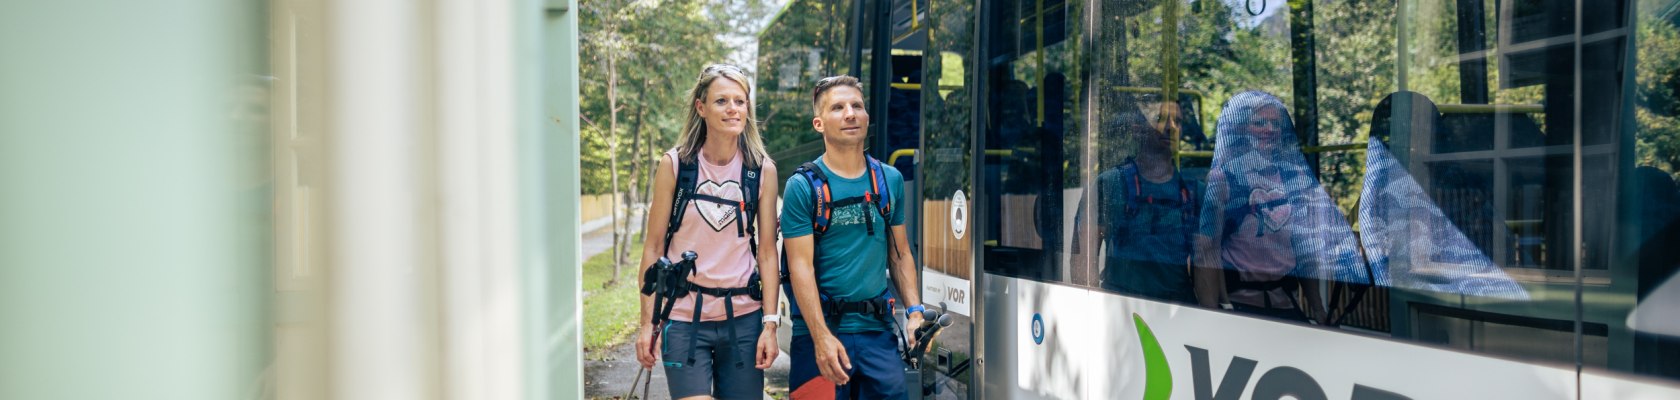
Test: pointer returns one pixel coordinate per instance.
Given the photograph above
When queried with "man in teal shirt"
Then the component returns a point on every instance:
(856, 356)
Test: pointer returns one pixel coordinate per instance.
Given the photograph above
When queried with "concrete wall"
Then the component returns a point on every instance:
(595, 206)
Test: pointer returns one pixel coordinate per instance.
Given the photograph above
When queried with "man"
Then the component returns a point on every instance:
(841, 229)
(1146, 211)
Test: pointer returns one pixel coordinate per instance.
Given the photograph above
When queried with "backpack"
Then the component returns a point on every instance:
(1131, 186)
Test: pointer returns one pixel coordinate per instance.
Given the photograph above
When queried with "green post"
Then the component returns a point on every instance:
(551, 163)
(133, 226)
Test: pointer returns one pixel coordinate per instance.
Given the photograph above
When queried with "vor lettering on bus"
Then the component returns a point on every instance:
(956, 295)
(1277, 383)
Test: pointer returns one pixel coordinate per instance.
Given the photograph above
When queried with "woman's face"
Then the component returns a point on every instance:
(1265, 126)
(724, 108)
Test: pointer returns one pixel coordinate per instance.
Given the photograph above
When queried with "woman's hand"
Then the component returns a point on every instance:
(645, 345)
(767, 349)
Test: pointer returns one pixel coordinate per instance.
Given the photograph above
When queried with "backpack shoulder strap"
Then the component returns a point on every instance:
(749, 202)
(820, 195)
(688, 174)
(878, 182)
(1130, 185)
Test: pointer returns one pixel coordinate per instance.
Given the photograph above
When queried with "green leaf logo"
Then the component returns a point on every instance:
(1158, 377)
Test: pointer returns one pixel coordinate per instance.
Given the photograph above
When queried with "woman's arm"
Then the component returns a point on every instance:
(1207, 272)
(769, 261)
(653, 246)
(768, 271)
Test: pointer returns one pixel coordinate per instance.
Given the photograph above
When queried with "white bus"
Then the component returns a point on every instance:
(1477, 200)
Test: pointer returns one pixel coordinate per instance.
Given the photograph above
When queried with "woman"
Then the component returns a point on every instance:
(711, 332)
(1265, 220)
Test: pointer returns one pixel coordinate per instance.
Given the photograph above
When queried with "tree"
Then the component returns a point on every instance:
(1658, 111)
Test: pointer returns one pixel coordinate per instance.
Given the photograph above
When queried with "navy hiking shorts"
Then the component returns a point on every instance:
(877, 371)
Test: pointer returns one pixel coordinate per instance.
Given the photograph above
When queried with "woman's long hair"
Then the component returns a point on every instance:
(694, 131)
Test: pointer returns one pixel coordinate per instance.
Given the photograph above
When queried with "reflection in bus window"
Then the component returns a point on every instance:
(1146, 209)
(1030, 96)
(1266, 221)
(1408, 240)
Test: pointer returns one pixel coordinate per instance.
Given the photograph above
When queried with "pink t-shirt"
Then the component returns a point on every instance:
(708, 228)
(1261, 249)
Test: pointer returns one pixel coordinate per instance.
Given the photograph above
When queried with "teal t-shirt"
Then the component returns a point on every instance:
(851, 264)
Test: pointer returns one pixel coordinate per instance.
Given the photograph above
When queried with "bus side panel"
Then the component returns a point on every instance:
(1205, 345)
(1043, 340)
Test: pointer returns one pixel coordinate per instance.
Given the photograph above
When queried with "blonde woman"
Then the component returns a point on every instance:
(706, 321)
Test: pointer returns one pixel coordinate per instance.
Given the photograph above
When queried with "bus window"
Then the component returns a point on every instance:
(1461, 170)
(1030, 137)
(808, 41)
(1646, 195)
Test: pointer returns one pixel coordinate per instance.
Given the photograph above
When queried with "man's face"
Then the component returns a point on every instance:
(1163, 117)
(840, 115)
(724, 108)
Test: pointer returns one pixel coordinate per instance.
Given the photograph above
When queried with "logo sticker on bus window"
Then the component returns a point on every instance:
(1037, 328)
(959, 214)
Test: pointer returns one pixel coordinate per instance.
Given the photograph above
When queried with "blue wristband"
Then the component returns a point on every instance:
(913, 309)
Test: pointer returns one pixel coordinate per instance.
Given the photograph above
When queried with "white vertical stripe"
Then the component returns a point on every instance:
(378, 317)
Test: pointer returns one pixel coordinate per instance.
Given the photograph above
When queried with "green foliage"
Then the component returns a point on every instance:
(655, 49)
(806, 42)
(1658, 113)
(609, 312)
(1355, 71)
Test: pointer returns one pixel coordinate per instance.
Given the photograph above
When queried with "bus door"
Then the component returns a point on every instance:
(918, 92)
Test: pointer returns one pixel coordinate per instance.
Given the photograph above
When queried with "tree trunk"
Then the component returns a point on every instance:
(637, 160)
(612, 151)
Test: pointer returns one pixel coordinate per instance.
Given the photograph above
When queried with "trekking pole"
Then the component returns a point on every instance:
(631, 394)
(646, 384)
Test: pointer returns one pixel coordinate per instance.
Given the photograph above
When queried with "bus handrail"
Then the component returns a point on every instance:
(1154, 90)
(893, 159)
(1307, 149)
(1490, 108)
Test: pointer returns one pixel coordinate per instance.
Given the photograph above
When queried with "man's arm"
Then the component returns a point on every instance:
(901, 265)
(831, 355)
(904, 272)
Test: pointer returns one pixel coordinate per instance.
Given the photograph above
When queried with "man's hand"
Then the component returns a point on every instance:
(767, 349)
(645, 345)
(831, 358)
(911, 322)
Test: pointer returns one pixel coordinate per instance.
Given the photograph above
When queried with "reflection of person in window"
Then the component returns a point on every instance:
(1265, 220)
(1146, 211)
(1656, 197)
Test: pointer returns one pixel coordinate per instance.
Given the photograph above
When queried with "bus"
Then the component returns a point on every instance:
(1472, 199)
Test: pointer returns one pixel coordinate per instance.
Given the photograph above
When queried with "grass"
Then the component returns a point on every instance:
(609, 313)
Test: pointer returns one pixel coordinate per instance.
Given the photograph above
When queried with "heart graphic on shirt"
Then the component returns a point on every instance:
(1273, 212)
(718, 215)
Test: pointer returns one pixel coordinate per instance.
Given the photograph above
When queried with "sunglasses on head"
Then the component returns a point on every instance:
(724, 67)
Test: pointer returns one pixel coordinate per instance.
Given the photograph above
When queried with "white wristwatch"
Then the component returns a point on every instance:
(773, 319)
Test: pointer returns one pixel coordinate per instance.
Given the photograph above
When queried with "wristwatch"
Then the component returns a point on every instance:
(773, 319)
(914, 309)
